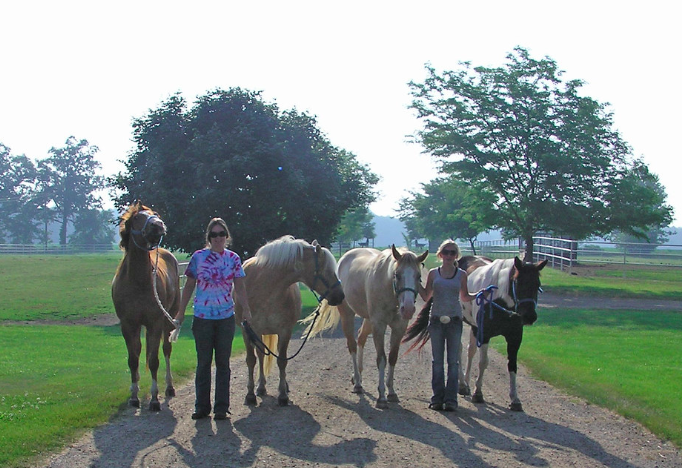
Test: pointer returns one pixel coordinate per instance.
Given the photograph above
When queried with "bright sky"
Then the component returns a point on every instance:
(89, 68)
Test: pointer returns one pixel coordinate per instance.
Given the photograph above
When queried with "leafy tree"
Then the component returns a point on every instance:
(447, 208)
(17, 209)
(550, 156)
(355, 225)
(67, 179)
(94, 227)
(267, 173)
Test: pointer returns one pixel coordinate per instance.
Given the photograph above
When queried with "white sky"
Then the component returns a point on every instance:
(89, 68)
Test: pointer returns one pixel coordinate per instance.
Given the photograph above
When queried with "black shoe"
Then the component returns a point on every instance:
(436, 406)
(199, 415)
(450, 406)
(220, 416)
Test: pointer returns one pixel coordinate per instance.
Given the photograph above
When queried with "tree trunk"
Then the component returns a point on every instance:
(528, 256)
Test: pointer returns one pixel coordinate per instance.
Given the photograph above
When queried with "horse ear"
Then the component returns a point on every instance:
(518, 263)
(316, 245)
(541, 264)
(397, 255)
(422, 257)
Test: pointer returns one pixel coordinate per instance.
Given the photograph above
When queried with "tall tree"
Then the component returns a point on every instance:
(355, 225)
(93, 226)
(68, 180)
(267, 173)
(550, 156)
(447, 208)
(17, 208)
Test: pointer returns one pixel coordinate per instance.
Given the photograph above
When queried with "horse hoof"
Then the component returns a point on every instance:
(250, 400)
(283, 401)
(358, 389)
(170, 392)
(464, 390)
(392, 397)
(477, 398)
(154, 406)
(382, 404)
(134, 402)
(516, 407)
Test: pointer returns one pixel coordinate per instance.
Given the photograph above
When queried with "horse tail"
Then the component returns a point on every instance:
(271, 342)
(328, 319)
(419, 329)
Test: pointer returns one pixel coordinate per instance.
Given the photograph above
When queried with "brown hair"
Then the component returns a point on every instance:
(211, 224)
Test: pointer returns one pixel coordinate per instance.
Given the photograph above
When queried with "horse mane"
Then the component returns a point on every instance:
(281, 252)
(125, 220)
(502, 271)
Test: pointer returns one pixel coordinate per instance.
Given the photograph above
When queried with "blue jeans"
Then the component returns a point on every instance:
(210, 336)
(445, 336)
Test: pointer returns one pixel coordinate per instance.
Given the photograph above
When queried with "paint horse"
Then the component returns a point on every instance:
(380, 287)
(146, 293)
(513, 305)
(272, 278)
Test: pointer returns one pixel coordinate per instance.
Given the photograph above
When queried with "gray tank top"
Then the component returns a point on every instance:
(446, 295)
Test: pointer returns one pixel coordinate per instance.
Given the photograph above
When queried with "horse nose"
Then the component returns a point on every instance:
(407, 310)
(336, 297)
(530, 318)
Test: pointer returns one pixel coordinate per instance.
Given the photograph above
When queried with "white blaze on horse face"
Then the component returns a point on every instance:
(407, 297)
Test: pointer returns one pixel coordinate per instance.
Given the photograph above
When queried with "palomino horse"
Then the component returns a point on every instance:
(380, 287)
(512, 306)
(146, 292)
(272, 278)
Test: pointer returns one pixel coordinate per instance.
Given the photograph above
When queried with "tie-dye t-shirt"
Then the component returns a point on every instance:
(215, 273)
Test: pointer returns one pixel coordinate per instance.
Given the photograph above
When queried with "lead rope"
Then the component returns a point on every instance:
(176, 324)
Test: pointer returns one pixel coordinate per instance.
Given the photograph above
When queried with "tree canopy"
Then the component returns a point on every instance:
(232, 155)
(550, 156)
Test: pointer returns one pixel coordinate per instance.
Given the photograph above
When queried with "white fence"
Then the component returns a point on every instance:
(56, 249)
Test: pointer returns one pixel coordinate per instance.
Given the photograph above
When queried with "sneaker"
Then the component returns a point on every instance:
(197, 415)
(436, 406)
(452, 406)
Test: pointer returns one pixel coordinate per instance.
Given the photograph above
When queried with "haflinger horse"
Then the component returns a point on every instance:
(146, 292)
(513, 305)
(272, 278)
(381, 287)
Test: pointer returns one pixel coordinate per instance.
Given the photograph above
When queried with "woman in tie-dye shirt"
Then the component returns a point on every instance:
(216, 273)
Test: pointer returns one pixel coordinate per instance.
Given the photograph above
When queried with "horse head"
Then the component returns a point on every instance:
(325, 282)
(406, 279)
(141, 225)
(525, 287)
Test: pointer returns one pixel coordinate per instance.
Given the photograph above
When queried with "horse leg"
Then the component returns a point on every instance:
(167, 350)
(396, 336)
(348, 326)
(131, 334)
(378, 336)
(512, 355)
(283, 398)
(251, 365)
(153, 341)
(261, 391)
(465, 377)
(477, 397)
(363, 333)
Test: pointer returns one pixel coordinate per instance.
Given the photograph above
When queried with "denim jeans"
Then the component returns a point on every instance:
(210, 336)
(444, 336)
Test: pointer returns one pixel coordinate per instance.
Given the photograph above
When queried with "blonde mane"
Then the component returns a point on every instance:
(282, 252)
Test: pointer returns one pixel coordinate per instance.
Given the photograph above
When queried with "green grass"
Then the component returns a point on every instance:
(663, 283)
(627, 361)
(56, 287)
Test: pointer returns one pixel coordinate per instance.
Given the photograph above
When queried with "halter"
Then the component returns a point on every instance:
(140, 232)
(398, 292)
(317, 276)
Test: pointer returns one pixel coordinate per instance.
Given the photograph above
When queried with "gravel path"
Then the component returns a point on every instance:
(326, 425)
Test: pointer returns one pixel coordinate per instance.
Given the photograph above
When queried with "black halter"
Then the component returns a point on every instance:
(140, 232)
(399, 291)
(317, 276)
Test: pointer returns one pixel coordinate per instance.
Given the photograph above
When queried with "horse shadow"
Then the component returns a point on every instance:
(298, 441)
(482, 429)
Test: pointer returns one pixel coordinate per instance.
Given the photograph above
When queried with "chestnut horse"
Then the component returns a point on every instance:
(380, 287)
(272, 278)
(146, 292)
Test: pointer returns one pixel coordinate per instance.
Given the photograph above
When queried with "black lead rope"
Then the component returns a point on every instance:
(263, 348)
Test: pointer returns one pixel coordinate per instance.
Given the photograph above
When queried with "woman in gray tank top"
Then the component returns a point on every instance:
(446, 286)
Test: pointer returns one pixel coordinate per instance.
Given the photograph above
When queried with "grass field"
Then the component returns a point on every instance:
(57, 381)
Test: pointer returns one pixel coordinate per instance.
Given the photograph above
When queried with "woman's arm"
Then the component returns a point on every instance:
(242, 298)
(427, 292)
(187, 291)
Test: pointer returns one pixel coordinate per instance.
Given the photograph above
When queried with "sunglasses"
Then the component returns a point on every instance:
(448, 252)
(214, 234)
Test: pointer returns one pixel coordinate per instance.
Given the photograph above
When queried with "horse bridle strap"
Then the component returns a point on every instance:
(317, 276)
(398, 292)
(140, 232)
